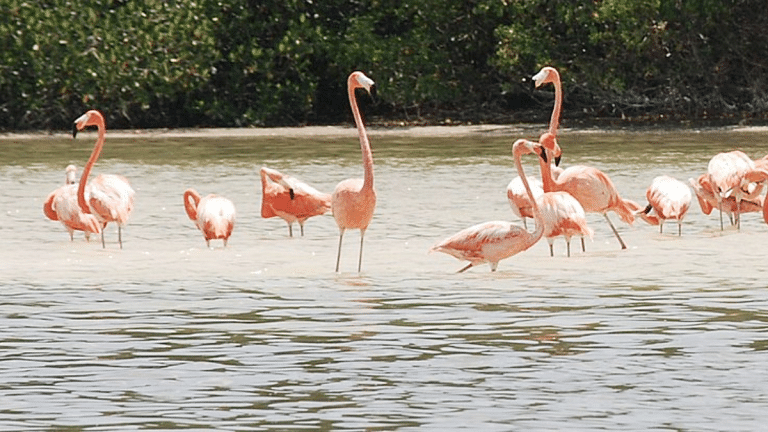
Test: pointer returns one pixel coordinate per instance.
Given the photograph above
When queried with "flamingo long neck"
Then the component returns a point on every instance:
(87, 170)
(554, 122)
(547, 179)
(191, 201)
(365, 146)
(536, 214)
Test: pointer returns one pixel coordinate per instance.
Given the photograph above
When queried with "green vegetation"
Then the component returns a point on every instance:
(155, 63)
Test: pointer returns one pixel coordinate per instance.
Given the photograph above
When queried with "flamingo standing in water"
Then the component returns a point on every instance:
(708, 200)
(731, 174)
(213, 215)
(354, 200)
(491, 242)
(290, 199)
(669, 198)
(591, 187)
(111, 197)
(61, 205)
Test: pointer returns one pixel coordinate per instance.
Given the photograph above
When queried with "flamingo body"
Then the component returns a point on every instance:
(292, 200)
(61, 205)
(726, 173)
(213, 215)
(562, 215)
(518, 198)
(670, 199)
(491, 242)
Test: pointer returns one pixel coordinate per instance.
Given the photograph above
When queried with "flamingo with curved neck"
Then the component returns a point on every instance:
(354, 200)
(61, 205)
(591, 187)
(491, 242)
(213, 215)
(111, 196)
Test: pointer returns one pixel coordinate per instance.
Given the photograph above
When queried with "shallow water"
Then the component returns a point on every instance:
(669, 334)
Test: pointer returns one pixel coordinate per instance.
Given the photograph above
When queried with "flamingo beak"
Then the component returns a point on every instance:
(291, 193)
(543, 154)
(74, 130)
(557, 160)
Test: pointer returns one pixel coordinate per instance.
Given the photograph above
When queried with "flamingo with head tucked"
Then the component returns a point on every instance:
(213, 215)
(491, 242)
(669, 198)
(61, 205)
(734, 174)
(591, 187)
(354, 200)
(290, 199)
(111, 198)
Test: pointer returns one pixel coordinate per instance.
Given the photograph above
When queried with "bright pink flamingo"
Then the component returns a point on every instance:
(213, 215)
(731, 173)
(491, 242)
(708, 200)
(669, 198)
(563, 216)
(354, 200)
(111, 198)
(290, 199)
(591, 187)
(61, 205)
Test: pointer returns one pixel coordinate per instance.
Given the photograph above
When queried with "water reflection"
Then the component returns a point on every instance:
(168, 334)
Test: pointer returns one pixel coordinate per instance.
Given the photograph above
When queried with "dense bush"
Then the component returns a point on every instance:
(154, 63)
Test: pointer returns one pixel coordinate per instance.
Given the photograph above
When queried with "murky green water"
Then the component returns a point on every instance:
(670, 334)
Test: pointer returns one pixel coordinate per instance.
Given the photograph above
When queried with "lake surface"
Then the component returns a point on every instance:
(668, 335)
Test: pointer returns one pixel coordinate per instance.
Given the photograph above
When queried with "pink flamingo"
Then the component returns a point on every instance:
(591, 187)
(491, 242)
(669, 198)
(111, 198)
(61, 205)
(730, 174)
(708, 201)
(354, 200)
(563, 216)
(213, 215)
(290, 199)
(518, 197)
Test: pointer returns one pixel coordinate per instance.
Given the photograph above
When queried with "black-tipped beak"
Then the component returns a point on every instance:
(543, 154)
(373, 91)
(74, 130)
(557, 160)
(291, 193)
(647, 209)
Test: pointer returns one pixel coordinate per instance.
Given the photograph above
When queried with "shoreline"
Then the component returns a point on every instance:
(373, 130)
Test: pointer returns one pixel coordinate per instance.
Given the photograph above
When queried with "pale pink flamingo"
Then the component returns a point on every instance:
(564, 216)
(111, 197)
(591, 187)
(213, 215)
(518, 197)
(290, 199)
(491, 242)
(708, 200)
(61, 205)
(669, 198)
(354, 200)
(729, 174)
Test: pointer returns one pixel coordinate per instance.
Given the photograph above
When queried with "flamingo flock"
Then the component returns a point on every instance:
(557, 202)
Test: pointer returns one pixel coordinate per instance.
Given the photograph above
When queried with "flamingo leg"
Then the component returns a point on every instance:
(360, 258)
(551, 251)
(338, 255)
(679, 228)
(616, 233)
(525, 224)
(583, 248)
(468, 266)
(103, 245)
(568, 247)
(290, 229)
(302, 228)
(120, 236)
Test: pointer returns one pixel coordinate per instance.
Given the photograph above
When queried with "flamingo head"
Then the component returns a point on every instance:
(90, 118)
(549, 142)
(547, 74)
(71, 171)
(358, 79)
(523, 146)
